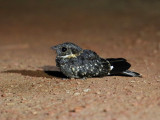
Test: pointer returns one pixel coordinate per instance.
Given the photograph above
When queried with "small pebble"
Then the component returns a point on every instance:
(86, 90)
(76, 94)
(133, 81)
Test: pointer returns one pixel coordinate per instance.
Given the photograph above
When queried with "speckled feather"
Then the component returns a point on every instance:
(87, 64)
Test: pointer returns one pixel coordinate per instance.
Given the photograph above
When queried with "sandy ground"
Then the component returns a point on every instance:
(124, 29)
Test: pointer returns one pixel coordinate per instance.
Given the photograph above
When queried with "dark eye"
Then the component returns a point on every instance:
(64, 49)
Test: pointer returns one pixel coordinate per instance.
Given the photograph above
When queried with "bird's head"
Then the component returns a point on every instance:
(67, 50)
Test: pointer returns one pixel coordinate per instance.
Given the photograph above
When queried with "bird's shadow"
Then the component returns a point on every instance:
(47, 72)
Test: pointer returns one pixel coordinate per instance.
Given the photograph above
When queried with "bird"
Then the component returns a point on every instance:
(75, 62)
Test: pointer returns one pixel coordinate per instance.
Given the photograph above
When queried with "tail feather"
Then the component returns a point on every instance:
(121, 66)
(131, 73)
(118, 65)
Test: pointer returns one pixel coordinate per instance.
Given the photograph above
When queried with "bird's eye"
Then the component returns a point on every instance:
(64, 49)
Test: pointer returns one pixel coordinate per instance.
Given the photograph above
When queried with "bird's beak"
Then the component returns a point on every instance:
(54, 47)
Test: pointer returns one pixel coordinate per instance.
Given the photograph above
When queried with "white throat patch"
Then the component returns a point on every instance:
(69, 56)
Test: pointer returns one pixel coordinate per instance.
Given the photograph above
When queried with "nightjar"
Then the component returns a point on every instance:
(75, 62)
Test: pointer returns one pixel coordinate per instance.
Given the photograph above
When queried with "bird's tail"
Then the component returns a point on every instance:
(120, 66)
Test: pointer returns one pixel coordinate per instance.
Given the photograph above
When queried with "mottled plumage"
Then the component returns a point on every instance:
(74, 62)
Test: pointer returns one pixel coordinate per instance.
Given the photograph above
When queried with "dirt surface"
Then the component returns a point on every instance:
(113, 29)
